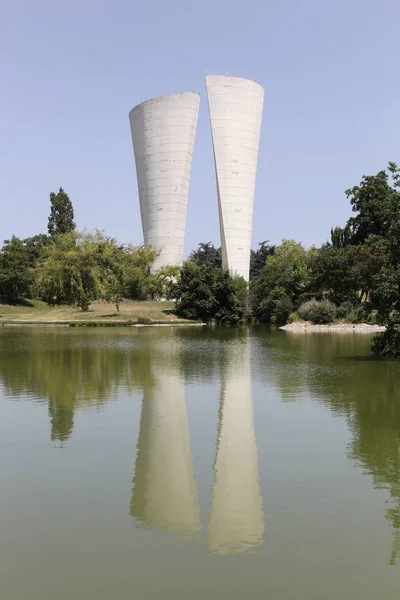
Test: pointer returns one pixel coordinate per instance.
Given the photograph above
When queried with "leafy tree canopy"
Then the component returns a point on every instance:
(207, 254)
(78, 268)
(208, 294)
(258, 258)
(282, 281)
(15, 274)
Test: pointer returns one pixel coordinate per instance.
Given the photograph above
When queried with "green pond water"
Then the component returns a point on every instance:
(191, 463)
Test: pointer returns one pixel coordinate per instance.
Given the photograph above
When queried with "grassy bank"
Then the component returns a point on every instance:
(100, 313)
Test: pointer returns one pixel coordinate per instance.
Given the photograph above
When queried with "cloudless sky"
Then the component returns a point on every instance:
(70, 72)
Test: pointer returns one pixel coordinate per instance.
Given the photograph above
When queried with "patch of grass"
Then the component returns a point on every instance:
(37, 312)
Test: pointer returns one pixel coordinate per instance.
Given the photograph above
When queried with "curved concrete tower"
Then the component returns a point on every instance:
(163, 131)
(236, 520)
(236, 106)
(164, 491)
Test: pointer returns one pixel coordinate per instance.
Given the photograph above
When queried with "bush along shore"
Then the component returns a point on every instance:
(351, 282)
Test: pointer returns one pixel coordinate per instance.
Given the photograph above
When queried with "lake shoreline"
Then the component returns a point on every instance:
(91, 324)
(304, 327)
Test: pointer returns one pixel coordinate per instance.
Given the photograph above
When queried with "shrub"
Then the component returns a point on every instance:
(373, 318)
(318, 312)
(359, 314)
(209, 294)
(275, 307)
(144, 320)
(282, 309)
(387, 344)
(356, 315)
(293, 317)
(344, 309)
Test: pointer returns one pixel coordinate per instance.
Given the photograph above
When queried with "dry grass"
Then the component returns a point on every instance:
(101, 313)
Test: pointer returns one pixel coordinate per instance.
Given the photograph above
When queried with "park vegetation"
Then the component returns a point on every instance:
(353, 277)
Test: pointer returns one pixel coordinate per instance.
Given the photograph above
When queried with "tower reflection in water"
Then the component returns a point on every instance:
(236, 520)
(164, 491)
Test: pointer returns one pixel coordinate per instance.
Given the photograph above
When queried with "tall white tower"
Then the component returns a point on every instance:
(236, 106)
(163, 131)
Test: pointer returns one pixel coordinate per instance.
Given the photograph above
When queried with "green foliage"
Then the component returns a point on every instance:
(340, 237)
(15, 272)
(208, 294)
(386, 294)
(293, 317)
(346, 274)
(357, 315)
(17, 261)
(125, 271)
(333, 275)
(68, 272)
(276, 306)
(162, 281)
(207, 255)
(137, 282)
(34, 247)
(374, 201)
(387, 344)
(343, 310)
(61, 219)
(78, 268)
(258, 258)
(282, 281)
(318, 312)
(142, 320)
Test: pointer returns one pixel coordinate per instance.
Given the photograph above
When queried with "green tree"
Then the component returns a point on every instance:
(69, 271)
(15, 272)
(34, 247)
(209, 294)
(376, 200)
(259, 257)
(125, 271)
(78, 268)
(162, 281)
(282, 282)
(61, 219)
(340, 237)
(347, 273)
(207, 254)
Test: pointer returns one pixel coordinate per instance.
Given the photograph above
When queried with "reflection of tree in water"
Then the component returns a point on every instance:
(73, 369)
(365, 391)
(70, 370)
(62, 421)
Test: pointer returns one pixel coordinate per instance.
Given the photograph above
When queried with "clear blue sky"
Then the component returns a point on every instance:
(71, 71)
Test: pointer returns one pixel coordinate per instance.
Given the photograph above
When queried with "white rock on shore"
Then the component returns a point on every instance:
(304, 327)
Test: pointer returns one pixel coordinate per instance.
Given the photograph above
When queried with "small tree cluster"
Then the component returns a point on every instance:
(77, 269)
(209, 294)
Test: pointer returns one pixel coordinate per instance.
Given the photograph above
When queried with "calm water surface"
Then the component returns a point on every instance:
(190, 463)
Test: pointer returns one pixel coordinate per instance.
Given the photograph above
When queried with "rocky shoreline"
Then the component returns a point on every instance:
(304, 327)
